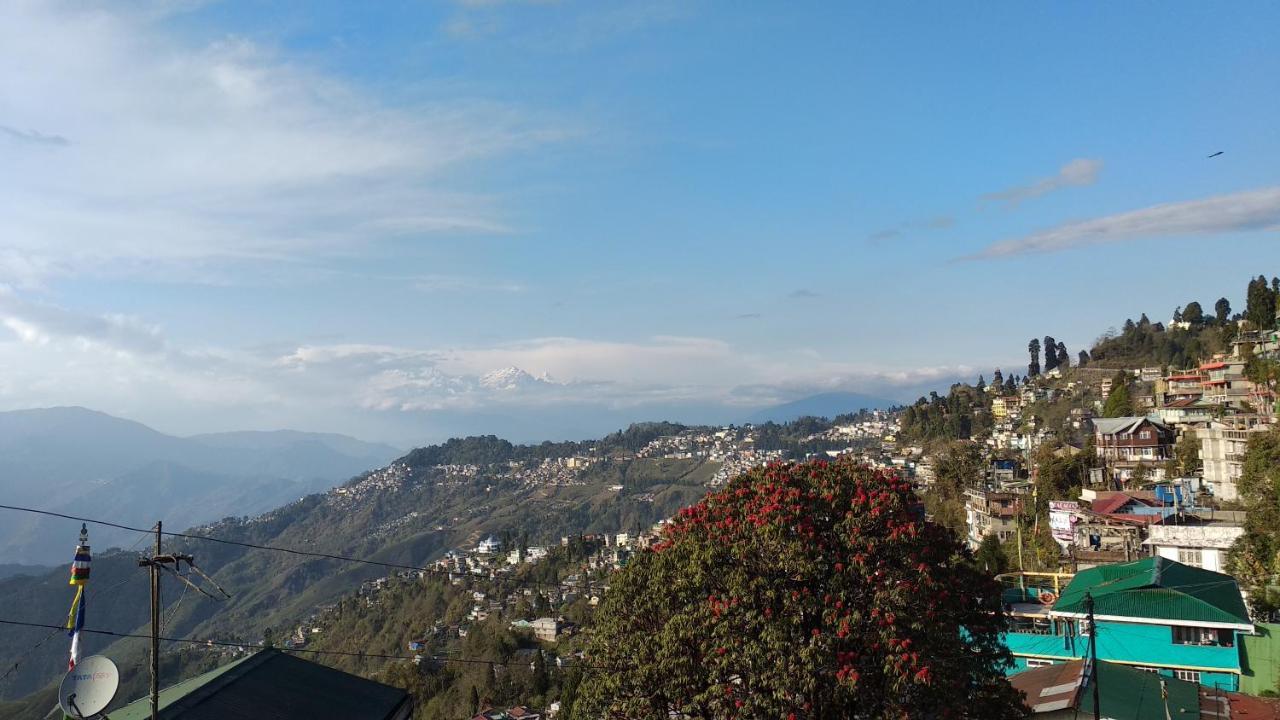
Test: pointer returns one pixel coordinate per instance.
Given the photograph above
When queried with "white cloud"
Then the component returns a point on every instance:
(1238, 212)
(1077, 173)
(123, 365)
(125, 151)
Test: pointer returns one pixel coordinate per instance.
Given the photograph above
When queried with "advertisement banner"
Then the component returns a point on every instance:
(1062, 519)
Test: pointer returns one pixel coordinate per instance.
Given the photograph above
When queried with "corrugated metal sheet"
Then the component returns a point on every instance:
(1159, 588)
(271, 685)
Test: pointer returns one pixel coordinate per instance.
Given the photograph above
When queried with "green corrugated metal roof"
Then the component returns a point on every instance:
(272, 684)
(1158, 588)
(141, 709)
(1130, 693)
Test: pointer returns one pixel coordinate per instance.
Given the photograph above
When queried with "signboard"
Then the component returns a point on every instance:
(89, 687)
(1062, 520)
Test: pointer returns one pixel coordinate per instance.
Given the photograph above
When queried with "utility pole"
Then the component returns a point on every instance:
(155, 564)
(1093, 655)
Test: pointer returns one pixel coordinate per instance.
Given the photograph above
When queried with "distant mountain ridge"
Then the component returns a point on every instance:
(824, 405)
(72, 457)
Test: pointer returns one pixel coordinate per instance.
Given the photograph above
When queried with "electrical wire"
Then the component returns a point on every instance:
(33, 648)
(292, 551)
(242, 645)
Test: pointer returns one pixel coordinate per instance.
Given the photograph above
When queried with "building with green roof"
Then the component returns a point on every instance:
(1065, 692)
(273, 684)
(1154, 614)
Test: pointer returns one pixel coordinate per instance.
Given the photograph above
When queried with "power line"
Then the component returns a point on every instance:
(55, 631)
(292, 551)
(242, 645)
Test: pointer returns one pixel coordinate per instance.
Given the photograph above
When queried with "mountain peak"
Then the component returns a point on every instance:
(511, 378)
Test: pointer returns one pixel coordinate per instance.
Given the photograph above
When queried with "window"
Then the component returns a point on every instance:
(1188, 675)
(1145, 434)
(1030, 626)
(1036, 662)
(1190, 556)
(1201, 636)
(1145, 668)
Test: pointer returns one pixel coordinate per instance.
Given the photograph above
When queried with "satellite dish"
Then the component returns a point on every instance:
(89, 687)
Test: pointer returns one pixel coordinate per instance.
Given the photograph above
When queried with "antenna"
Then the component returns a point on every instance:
(89, 687)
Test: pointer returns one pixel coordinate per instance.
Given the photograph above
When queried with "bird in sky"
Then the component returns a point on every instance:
(1216, 154)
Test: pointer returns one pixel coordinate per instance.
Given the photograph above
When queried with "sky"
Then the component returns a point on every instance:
(409, 220)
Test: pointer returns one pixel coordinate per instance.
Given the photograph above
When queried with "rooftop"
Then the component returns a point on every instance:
(1125, 692)
(1157, 588)
(1111, 426)
(292, 689)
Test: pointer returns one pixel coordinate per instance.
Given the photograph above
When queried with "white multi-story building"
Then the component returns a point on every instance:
(1203, 546)
(1222, 448)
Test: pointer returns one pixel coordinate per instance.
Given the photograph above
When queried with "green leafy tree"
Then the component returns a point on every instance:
(802, 591)
(1141, 473)
(990, 556)
(1255, 558)
(955, 469)
(1119, 402)
(1186, 453)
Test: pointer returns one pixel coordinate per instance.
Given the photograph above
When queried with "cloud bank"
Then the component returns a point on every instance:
(1249, 211)
(123, 365)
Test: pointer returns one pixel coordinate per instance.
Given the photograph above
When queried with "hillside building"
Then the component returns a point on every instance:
(991, 512)
(1202, 546)
(1154, 614)
(1124, 443)
(1222, 449)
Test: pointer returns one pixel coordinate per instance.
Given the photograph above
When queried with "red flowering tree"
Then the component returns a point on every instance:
(802, 591)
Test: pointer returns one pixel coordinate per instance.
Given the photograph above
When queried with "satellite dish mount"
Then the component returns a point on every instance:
(89, 687)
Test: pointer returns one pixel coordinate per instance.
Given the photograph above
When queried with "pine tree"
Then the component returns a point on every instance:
(997, 379)
(1193, 314)
(1083, 358)
(1033, 367)
(1050, 353)
(1260, 308)
(1222, 311)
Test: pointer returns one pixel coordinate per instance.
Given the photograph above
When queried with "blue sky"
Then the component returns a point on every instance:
(346, 217)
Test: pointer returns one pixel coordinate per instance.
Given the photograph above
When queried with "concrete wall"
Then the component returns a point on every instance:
(1210, 558)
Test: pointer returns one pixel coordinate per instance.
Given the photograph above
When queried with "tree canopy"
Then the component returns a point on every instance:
(802, 591)
(1255, 558)
(1119, 402)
